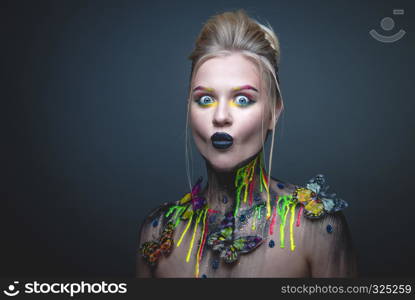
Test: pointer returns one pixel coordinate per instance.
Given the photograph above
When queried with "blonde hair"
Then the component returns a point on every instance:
(231, 32)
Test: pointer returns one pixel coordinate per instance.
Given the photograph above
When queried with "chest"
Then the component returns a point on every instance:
(262, 263)
(266, 260)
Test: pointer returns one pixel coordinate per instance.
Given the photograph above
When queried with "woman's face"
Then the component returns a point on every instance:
(228, 114)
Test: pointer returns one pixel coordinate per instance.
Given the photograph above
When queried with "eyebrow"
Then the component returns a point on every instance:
(202, 88)
(245, 87)
(235, 89)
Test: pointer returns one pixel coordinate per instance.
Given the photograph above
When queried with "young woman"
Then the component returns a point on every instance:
(242, 223)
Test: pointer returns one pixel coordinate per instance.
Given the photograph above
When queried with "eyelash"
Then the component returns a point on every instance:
(250, 101)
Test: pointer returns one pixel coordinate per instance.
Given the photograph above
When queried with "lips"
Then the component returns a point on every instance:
(221, 140)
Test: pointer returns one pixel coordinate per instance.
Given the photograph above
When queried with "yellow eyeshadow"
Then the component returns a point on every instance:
(209, 105)
(233, 104)
(214, 104)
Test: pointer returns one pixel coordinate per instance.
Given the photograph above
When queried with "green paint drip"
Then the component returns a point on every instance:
(238, 200)
(171, 209)
(241, 174)
(177, 222)
(243, 179)
(284, 204)
(260, 179)
(178, 211)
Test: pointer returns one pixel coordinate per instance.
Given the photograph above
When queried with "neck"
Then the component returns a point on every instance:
(221, 192)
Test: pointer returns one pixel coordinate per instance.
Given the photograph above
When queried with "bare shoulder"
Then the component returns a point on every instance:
(281, 188)
(153, 223)
(331, 229)
(329, 246)
(324, 233)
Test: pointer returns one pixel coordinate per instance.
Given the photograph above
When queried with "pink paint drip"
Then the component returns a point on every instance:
(299, 215)
(274, 217)
(265, 177)
(271, 228)
(204, 236)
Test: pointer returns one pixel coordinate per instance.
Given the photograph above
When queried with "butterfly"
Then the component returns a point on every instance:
(315, 199)
(229, 248)
(152, 250)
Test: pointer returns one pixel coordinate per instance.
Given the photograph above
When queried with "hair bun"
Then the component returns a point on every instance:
(272, 39)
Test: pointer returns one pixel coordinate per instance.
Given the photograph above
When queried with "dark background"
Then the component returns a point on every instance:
(93, 120)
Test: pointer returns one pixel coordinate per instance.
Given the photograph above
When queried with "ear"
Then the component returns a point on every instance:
(278, 110)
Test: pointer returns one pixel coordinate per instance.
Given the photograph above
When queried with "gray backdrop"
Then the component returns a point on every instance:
(93, 119)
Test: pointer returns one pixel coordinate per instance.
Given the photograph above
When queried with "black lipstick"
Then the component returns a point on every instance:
(221, 140)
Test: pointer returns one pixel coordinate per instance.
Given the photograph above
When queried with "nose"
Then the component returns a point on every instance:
(222, 116)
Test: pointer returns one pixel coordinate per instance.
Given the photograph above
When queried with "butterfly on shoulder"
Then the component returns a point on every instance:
(152, 250)
(222, 241)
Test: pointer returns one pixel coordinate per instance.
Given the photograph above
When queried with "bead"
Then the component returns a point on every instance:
(204, 276)
(155, 222)
(271, 244)
(229, 215)
(225, 199)
(215, 264)
(242, 218)
(198, 202)
(257, 197)
(280, 185)
(329, 228)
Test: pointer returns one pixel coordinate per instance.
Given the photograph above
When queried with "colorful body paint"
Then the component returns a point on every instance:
(313, 202)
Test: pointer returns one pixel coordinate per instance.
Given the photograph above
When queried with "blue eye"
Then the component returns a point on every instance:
(205, 100)
(242, 100)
